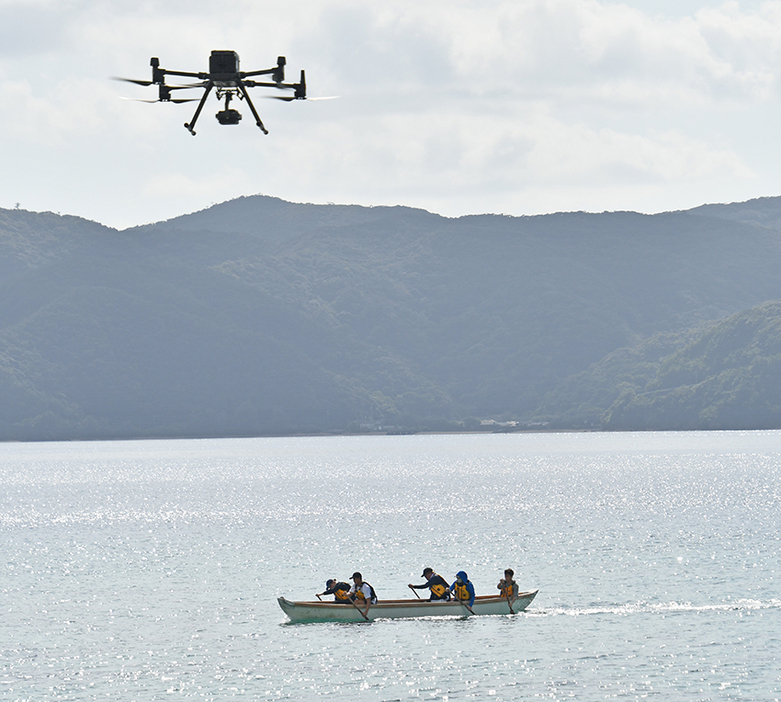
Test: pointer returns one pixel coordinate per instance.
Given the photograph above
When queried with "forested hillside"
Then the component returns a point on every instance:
(259, 316)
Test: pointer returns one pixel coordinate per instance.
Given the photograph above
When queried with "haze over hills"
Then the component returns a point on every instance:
(259, 316)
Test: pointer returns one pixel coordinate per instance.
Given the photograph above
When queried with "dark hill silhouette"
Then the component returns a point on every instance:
(728, 377)
(260, 316)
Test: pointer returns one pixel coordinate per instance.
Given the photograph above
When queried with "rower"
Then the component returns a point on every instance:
(339, 590)
(508, 587)
(362, 593)
(436, 583)
(462, 589)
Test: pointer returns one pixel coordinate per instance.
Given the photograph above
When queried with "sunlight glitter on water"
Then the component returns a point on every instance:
(138, 569)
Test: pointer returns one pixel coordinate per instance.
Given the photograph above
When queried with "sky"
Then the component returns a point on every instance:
(454, 106)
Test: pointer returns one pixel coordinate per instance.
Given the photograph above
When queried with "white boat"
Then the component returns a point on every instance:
(402, 609)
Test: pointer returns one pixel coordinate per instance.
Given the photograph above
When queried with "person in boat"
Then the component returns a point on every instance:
(339, 590)
(436, 583)
(462, 589)
(361, 593)
(508, 587)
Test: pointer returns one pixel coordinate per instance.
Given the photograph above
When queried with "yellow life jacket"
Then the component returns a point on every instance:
(359, 594)
(507, 590)
(462, 593)
(341, 594)
(438, 590)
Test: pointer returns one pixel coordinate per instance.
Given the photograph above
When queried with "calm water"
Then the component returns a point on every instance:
(150, 570)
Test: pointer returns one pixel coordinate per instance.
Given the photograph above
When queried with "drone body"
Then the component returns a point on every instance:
(225, 78)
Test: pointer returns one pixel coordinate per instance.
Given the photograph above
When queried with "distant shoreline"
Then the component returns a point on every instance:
(378, 433)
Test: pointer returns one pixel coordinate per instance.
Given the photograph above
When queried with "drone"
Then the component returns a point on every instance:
(228, 82)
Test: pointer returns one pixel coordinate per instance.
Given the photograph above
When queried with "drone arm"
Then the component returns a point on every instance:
(278, 71)
(252, 108)
(265, 72)
(191, 126)
(260, 84)
(186, 74)
(299, 87)
(159, 74)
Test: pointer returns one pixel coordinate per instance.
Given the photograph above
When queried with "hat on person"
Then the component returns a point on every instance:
(328, 582)
(355, 575)
(427, 570)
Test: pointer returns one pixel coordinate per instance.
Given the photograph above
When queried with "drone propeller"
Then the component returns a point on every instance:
(158, 100)
(290, 98)
(132, 80)
(168, 87)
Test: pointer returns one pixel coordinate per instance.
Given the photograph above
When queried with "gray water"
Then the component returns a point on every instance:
(149, 570)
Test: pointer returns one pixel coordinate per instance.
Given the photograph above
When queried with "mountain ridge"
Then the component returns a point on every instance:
(260, 316)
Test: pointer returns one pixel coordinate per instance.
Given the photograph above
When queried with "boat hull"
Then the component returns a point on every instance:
(401, 609)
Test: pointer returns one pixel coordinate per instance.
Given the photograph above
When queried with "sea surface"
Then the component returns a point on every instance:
(149, 570)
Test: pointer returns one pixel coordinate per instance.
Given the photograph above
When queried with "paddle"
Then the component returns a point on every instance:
(415, 591)
(464, 603)
(508, 590)
(318, 597)
(352, 602)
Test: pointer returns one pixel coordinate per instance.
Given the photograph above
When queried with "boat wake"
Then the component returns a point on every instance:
(744, 605)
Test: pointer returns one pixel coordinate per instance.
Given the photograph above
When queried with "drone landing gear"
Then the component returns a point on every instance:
(191, 126)
(252, 108)
(226, 115)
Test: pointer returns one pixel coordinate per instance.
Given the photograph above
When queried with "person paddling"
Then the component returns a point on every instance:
(339, 590)
(362, 593)
(436, 583)
(463, 590)
(508, 587)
